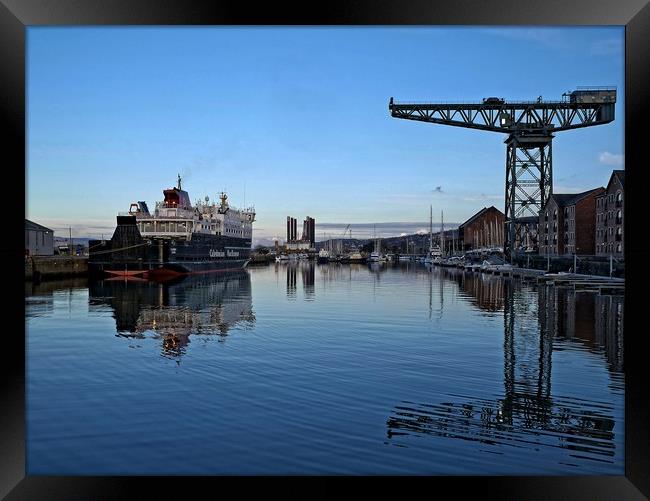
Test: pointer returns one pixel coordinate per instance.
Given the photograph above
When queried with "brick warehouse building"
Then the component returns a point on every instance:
(610, 217)
(483, 229)
(567, 225)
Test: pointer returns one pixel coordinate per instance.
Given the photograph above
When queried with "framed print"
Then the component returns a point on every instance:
(376, 241)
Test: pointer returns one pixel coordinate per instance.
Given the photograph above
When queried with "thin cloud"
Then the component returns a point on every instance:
(566, 178)
(379, 230)
(558, 189)
(608, 158)
(491, 197)
(482, 197)
(464, 196)
(547, 37)
(607, 47)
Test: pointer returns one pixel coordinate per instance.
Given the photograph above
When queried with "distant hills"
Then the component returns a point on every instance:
(75, 240)
(417, 242)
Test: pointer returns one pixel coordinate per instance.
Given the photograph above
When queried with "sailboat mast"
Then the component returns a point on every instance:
(374, 236)
(430, 228)
(442, 233)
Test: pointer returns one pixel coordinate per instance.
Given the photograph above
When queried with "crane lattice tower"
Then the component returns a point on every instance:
(530, 126)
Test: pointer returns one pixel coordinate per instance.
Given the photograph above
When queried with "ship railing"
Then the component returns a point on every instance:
(162, 234)
(596, 87)
(179, 212)
(165, 218)
(250, 209)
(164, 205)
(184, 215)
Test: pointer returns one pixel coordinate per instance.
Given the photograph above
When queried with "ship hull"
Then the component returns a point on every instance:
(152, 270)
(351, 261)
(130, 254)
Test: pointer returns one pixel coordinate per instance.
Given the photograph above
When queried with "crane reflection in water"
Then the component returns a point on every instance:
(209, 304)
(537, 322)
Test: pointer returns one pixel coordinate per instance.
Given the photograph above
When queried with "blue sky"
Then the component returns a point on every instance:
(295, 120)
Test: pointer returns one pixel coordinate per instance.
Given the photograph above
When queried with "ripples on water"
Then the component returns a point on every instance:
(305, 368)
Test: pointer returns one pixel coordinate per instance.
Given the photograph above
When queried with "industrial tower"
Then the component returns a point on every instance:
(530, 126)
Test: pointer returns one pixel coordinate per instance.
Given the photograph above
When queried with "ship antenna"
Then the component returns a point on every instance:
(179, 181)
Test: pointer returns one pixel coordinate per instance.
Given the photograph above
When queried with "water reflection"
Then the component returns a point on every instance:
(530, 375)
(307, 272)
(291, 279)
(537, 323)
(378, 268)
(593, 321)
(49, 287)
(484, 291)
(172, 311)
(39, 297)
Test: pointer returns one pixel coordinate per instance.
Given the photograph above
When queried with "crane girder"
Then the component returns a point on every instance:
(531, 126)
(509, 118)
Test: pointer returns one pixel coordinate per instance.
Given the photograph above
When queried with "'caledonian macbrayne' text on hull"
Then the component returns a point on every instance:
(178, 238)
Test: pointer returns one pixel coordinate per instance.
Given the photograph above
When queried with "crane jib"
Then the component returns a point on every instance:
(531, 126)
(507, 118)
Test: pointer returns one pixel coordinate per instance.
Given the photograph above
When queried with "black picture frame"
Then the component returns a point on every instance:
(16, 15)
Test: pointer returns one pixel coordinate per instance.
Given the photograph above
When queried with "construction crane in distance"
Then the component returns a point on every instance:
(340, 243)
(345, 231)
(530, 126)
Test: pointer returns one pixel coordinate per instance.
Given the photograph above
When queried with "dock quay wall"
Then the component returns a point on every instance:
(586, 265)
(44, 267)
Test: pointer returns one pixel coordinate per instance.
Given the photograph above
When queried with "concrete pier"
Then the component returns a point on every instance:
(577, 281)
(44, 267)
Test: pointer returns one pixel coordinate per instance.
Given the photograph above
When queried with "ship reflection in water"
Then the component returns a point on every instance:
(210, 304)
(339, 369)
(536, 324)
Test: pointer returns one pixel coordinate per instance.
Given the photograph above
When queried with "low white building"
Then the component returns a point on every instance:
(298, 246)
(39, 240)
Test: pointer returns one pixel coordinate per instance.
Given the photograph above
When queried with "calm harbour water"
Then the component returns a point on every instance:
(324, 369)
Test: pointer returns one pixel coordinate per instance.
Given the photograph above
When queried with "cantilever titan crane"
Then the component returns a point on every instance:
(530, 126)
